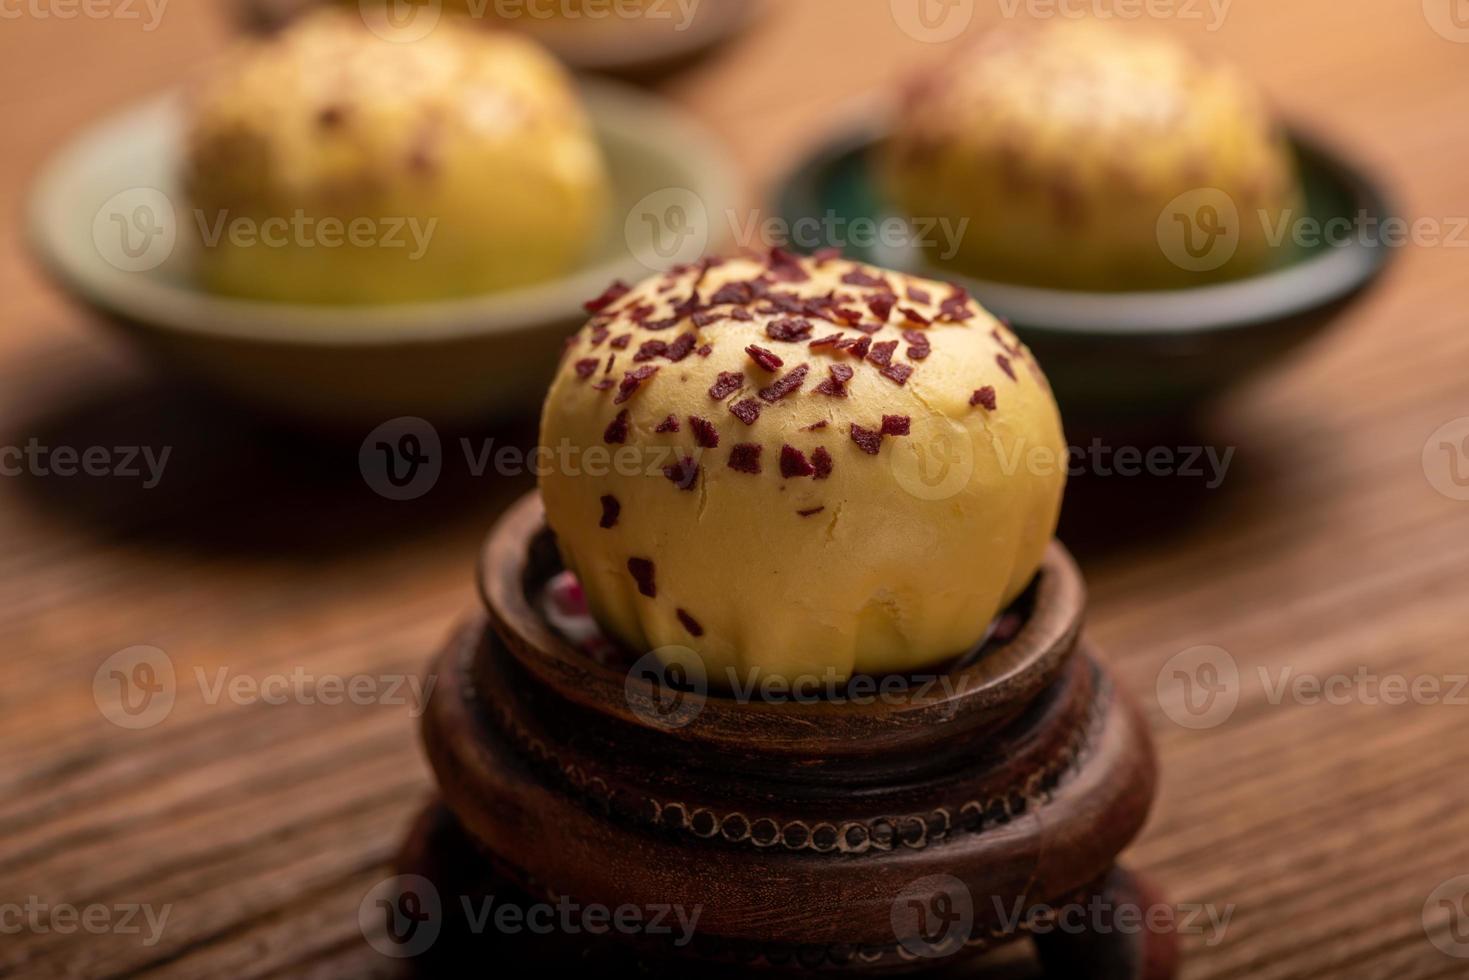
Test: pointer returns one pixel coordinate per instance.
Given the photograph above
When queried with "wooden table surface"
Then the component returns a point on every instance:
(1325, 551)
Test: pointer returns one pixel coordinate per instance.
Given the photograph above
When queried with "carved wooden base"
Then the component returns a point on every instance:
(910, 834)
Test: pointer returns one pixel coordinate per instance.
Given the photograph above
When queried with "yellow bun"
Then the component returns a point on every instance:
(1070, 150)
(849, 551)
(468, 149)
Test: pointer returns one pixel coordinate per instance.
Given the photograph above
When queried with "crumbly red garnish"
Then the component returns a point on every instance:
(702, 320)
(650, 349)
(881, 307)
(726, 384)
(848, 316)
(919, 295)
(867, 440)
(1004, 363)
(882, 354)
(821, 462)
(684, 473)
(858, 348)
(742, 314)
(639, 314)
(836, 385)
(616, 433)
(689, 623)
(682, 347)
(788, 329)
(857, 277)
(620, 343)
(604, 385)
(816, 425)
(785, 267)
(633, 380)
(586, 367)
(919, 346)
(1014, 350)
(705, 434)
(793, 463)
(786, 385)
(642, 571)
(896, 425)
(611, 510)
(984, 396)
(914, 316)
(810, 512)
(956, 307)
(746, 411)
(614, 293)
(611, 360)
(705, 351)
(669, 424)
(734, 293)
(897, 373)
(824, 255)
(831, 340)
(745, 457)
(600, 334)
(765, 358)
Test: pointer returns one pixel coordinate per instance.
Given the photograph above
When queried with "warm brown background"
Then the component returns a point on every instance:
(1325, 550)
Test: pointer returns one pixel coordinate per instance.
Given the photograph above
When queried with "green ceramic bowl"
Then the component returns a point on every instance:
(454, 360)
(1133, 357)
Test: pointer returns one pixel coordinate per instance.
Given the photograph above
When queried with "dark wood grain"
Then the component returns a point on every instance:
(1325, 549)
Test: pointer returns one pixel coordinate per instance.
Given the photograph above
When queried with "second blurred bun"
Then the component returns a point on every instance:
(463, 156)
(1067, 146)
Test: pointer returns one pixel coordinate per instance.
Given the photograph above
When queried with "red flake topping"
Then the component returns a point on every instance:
(882, 354)
(726, 384)
(825, 255)
(766, 359)
(746, 411)
(705, 351)
(984, 396)
(836, 385)
(649, 350)
(1004, 363)
(812, 512)
(745, 457)
(702, 320)
(956, 307)
(689, 623)
(642, 572)
(789, 329)
(631, 381)
(611, 510)
(867, 440)
(821, 462)
(859, 347)
(603, 385)
(915, 317)
(705, 434)
(734, 293)
(586, 367)
(793, 463)
(614, 293)
(897, 373)
(684, 473)
(616, 433)
(599, 335)
(682, 347)
(831, 341)
(815, 425)
(859, 278)
(919, 295)
(669, 424)
(920, 348)
(742, 314)
(785, 267)
(881, 307)
(850, 317)
(620, 343)
(896, 425)
(790, 383)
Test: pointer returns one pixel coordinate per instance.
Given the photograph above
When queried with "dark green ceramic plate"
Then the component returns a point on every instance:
(1137, 356)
